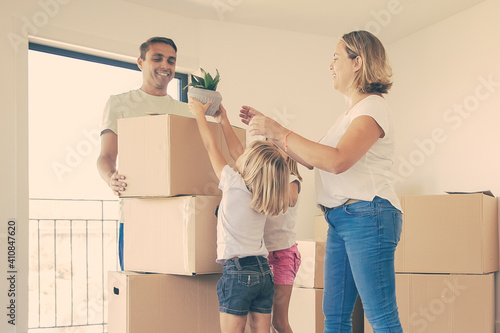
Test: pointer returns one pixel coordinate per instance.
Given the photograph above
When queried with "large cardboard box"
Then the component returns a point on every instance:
(163, 155)
(171, 235)
(310, 274)
(441, 303)
(162, 303)
(320, 228)
(306, 312)
(450, 233)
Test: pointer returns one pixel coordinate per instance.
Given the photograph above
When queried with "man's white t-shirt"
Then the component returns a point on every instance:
(279, 231)
(240, 229)
(137, 103)
(372, 175)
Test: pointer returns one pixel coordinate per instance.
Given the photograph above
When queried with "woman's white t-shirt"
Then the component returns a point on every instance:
(240, 229)
(372, 175)
(278, 232)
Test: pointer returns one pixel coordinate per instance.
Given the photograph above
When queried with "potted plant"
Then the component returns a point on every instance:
(204, 89)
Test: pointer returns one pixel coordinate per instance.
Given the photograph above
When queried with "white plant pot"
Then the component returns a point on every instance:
(204, 96)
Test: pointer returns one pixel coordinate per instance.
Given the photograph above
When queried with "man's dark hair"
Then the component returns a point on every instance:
(145, 46)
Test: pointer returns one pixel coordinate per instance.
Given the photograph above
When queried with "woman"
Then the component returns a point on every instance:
(353, 186)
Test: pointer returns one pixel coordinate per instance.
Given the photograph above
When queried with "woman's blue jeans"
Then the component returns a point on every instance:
(359, 258)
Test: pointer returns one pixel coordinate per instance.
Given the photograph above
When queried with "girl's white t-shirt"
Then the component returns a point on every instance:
(240, 229)
(372, 175)
(278, 232)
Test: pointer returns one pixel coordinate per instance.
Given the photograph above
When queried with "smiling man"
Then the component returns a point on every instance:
(158, 56)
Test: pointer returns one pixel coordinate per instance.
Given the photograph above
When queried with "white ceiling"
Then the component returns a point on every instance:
(388, 19)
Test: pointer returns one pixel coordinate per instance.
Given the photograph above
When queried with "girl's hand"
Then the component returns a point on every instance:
(262, 125)
(197, 108)
(247, 113)
(220, 115)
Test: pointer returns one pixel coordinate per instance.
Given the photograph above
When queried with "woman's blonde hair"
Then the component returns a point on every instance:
(266, 175)
(375, 75)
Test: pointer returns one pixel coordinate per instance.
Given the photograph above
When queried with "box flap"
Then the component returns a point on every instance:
(486, 192)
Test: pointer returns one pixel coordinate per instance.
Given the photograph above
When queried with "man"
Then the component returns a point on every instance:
(157, 62)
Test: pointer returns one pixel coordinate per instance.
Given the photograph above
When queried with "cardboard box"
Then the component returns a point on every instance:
(310, 274)
(440, 303)
(171, 235)
(450, 233)
(161, 303)
(163, 155)
(306, 312)
(320, 228)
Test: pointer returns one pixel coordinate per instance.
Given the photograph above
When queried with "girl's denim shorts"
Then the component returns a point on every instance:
(246, 285)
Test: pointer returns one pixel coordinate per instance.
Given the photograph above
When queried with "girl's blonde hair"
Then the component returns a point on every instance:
(292, 166)
(375, 75)
(266, 175)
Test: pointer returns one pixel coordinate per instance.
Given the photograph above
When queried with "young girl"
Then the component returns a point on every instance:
(258, 187)
(284, 257)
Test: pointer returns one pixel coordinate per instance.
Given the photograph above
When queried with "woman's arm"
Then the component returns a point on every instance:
(246, 115)
(289, 152)
(233, 143)
(216, 158)
(361, 134)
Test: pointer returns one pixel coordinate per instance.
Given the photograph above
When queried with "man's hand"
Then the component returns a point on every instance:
(117, 184)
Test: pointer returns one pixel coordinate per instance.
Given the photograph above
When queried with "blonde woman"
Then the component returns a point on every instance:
(258, 187)
(284, 256)
(354, 186)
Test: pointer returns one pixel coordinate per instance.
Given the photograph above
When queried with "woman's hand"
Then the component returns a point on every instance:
(247, 113)
(259, 124)
(262, 125)
(197, 108)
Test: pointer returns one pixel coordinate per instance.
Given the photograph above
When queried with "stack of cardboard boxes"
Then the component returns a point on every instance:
(170, 228)
(445, 263)
(305, 311)
(306, 308)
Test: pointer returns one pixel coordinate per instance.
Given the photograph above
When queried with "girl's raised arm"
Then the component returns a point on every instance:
(216, 158)
(233, 143)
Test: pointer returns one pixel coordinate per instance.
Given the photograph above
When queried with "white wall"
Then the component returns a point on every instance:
(438, 71)
(282, 74)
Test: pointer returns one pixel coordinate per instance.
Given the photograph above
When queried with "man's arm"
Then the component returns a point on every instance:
(106, 163)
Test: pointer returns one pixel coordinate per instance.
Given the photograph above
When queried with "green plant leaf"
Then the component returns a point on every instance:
(206, 81)
(216, 79)
(209, 81)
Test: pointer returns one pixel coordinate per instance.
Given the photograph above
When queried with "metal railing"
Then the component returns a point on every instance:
(73, 245)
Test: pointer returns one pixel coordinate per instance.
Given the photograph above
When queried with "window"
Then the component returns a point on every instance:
(73, 214)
